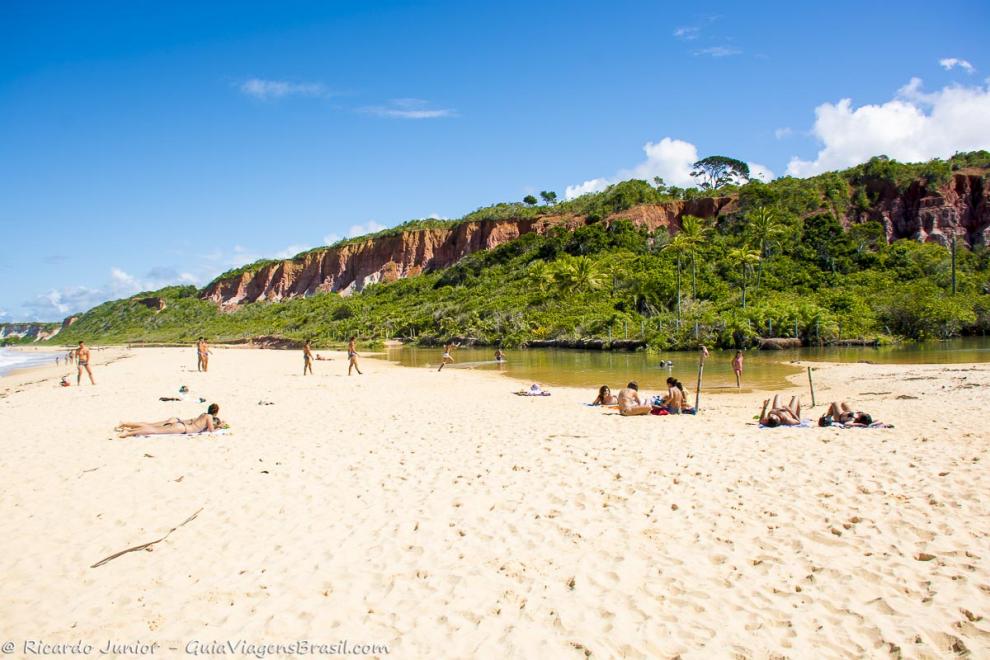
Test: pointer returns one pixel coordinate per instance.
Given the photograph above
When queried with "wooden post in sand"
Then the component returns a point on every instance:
(697, 394)
(811, 384)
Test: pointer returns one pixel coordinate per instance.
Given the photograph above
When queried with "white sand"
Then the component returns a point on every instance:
(443, 516)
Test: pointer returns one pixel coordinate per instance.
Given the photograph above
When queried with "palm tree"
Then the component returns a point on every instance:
(584, 275)
(678, 246)
(764, 229)
(744, 259)
(693, 235)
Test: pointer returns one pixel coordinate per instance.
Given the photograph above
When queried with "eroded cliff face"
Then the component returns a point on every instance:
(962, 208)
(33, 331)
(354, 266)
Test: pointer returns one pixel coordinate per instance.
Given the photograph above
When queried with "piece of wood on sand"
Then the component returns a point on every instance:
(145, 546)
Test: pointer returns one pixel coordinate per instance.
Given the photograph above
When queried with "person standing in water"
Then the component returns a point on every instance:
(447, 357)
(737, 366)
(499, 355)
(307, 358)
(352, 357)
(82, 362)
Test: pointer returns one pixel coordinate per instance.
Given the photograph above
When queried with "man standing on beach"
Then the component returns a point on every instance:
(199, 354)
(352, 356)
(307, 358)
(82, 354)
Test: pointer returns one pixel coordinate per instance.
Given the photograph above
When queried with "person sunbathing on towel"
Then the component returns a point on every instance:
(208, 421)
(629, 402)
(605, 397)
(789, 415)
(842, 412)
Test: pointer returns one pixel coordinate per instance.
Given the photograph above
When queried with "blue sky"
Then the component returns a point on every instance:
(148, 143)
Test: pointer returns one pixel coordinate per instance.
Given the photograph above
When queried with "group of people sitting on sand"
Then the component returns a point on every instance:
(629, 401)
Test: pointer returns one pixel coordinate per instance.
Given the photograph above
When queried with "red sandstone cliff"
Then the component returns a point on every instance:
(961, 208)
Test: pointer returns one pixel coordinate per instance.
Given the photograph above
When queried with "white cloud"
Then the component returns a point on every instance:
(330, 239)
(948, 63)
(913, 126)
(669, 159)
(290, 251)
(58, 303)
(409, 109)
(719, 51)
(761, 172)
(687, 33)
(369, 227)
(782, 133)
(266, 90)
(589, 186)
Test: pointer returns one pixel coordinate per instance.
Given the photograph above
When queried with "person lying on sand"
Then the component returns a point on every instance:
(605, 397)
(629, 402)
(842, 413)
(789, 415)
(208, 421)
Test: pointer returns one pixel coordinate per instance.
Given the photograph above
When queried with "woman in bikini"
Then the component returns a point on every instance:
(842, 413)
(352, 356)
(208, 421)
(789, 415)
(605, 397)
(447, 357)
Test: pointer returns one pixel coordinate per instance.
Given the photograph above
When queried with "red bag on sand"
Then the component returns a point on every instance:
(659, 411)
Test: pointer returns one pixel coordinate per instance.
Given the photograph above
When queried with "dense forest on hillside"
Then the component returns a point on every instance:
(782, 265)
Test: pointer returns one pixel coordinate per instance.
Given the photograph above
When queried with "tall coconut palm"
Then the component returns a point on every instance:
(744, 259)
(764, 229)
(693, 235)
(678, 247)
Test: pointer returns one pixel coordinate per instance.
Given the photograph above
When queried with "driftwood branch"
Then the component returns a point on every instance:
(145, 546)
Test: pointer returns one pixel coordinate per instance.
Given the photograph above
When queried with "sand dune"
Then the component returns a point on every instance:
(440, 515)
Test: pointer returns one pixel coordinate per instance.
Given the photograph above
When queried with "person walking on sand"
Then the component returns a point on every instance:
(447, 357)
(737, 366)
(199, 354)
(83, 363)
(204, 354)
(307, 358)
(352, 357)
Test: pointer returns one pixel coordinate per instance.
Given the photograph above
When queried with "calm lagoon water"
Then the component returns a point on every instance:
(762, 369)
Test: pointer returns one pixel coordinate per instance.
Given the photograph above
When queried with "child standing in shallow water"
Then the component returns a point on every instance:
(737, 366)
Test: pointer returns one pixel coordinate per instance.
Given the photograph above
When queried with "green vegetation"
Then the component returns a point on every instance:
(781, 260)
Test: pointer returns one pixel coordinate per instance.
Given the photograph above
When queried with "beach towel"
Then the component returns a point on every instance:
(173, 435)
(874, 425)
(805, 424)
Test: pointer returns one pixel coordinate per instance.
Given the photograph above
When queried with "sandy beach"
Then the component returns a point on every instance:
(442, 516)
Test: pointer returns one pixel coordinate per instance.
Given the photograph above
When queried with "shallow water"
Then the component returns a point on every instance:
(762, 369)
(10, 360)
